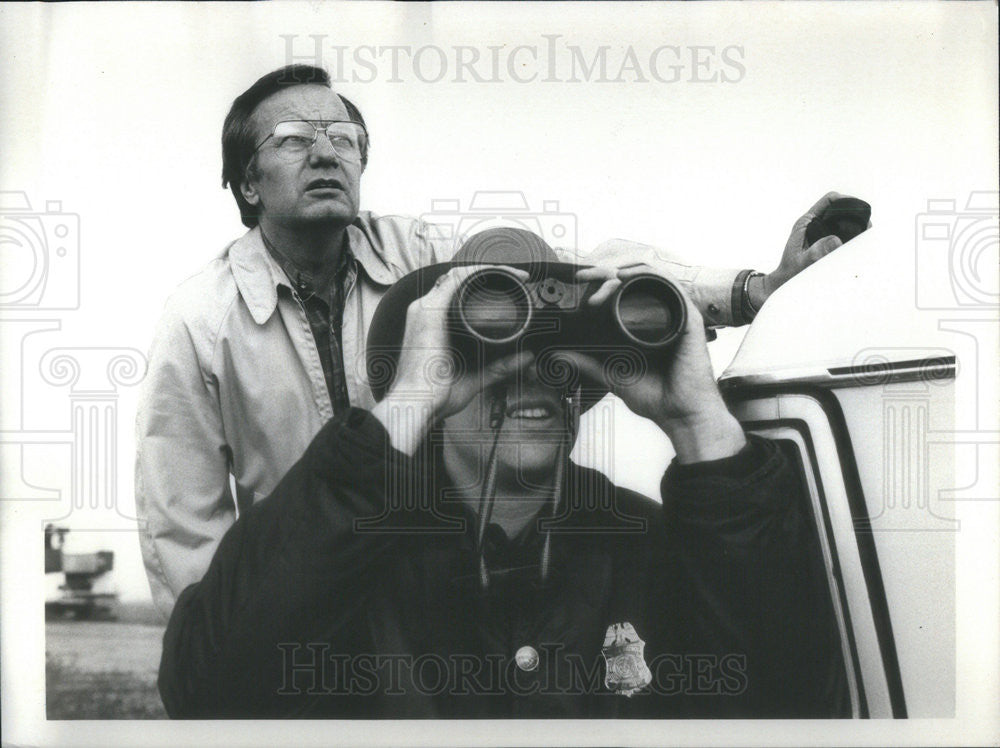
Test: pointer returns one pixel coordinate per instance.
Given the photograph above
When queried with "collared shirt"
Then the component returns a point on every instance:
(322, 298)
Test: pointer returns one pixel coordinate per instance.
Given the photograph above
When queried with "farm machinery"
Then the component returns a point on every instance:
(77, 584)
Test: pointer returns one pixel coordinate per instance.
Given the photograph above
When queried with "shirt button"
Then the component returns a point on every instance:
(713, 308)
(526, 658)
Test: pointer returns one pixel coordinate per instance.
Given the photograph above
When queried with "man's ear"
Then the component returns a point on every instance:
(248, 188)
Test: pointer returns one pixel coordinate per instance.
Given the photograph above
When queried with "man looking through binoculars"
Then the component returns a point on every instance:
(476, 572)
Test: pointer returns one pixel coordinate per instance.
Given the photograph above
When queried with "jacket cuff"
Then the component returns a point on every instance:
(734, 467)
(721, 479)
(356, 437)
(711, 290)
(365, 426)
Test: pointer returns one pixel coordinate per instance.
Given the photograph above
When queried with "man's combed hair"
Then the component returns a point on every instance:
(237, 131)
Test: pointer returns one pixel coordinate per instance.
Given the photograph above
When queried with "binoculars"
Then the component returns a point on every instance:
(495, 312)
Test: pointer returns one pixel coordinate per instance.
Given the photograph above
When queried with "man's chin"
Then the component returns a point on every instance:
(533, 464)
(331, 212)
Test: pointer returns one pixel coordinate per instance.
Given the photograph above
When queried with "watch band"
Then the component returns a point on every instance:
(748, 310)
(736, 304)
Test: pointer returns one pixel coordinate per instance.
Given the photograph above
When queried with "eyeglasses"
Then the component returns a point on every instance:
(293, 139)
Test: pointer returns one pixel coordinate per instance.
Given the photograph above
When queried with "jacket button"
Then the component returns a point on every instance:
(713, 308)
(526, 658)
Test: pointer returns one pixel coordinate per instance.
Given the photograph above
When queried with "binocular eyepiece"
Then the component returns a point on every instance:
(498, 311)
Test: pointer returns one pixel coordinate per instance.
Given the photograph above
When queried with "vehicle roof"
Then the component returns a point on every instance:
(854, 310)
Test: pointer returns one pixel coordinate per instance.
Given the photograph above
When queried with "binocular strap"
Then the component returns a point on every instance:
(571, 412)
(498, 409)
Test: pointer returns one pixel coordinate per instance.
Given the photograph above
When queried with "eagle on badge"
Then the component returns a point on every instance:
(626, 671)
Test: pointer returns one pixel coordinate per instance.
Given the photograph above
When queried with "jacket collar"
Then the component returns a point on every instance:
(370, 254)
(258, 276)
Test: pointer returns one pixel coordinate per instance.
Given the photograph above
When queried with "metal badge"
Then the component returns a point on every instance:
(627, 672)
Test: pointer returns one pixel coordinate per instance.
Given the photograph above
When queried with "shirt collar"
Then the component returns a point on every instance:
(307, 283)
(258, 274)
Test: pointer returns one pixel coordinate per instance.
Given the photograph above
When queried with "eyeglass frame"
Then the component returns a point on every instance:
(316, 131)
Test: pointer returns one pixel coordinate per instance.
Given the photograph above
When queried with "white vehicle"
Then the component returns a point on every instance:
(854, 380)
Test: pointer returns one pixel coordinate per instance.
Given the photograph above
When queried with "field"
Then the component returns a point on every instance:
(102, 670)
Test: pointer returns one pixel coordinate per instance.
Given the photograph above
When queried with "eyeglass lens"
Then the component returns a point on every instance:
(293, 139)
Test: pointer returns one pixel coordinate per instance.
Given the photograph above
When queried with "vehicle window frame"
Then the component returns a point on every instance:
(828, 466)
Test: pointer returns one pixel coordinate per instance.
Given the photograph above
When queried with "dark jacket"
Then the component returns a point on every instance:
(337, 596)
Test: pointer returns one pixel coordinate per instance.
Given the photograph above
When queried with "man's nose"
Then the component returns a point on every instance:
(525, 377)
(322, 150)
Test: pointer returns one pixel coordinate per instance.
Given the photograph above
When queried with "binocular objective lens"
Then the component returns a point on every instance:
(494, 306)
(649, 310)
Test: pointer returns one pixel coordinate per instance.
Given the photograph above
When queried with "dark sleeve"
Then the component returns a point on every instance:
(753, 585)
(287, 570)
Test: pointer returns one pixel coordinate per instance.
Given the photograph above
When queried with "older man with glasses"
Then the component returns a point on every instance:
(264, 346)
